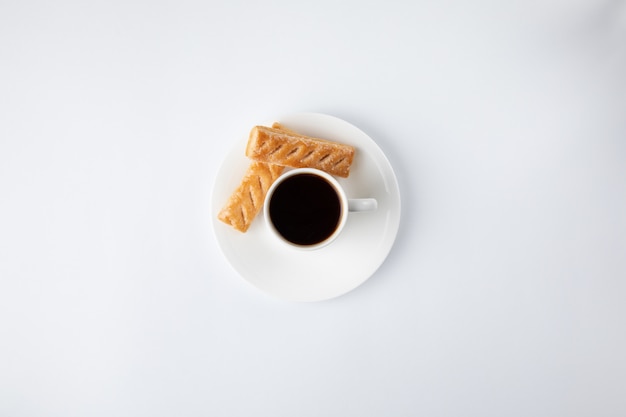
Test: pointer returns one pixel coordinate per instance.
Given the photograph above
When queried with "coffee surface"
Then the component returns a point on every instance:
(305, 209)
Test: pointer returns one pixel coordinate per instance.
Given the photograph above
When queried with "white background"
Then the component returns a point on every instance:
(504, 294)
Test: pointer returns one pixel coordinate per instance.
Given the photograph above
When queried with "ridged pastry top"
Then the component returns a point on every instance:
(279, 147)
(246, 201)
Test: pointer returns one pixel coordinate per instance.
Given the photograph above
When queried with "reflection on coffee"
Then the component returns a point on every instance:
(305, 209)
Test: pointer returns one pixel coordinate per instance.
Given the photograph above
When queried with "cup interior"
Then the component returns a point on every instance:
(306, 208)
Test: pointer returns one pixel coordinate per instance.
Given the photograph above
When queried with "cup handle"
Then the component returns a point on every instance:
(362, 204)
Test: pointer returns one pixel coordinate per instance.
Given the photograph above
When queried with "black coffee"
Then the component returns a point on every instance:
(305, 209)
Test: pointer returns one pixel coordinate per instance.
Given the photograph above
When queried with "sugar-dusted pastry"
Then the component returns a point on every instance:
(284, 147)
(246, 201)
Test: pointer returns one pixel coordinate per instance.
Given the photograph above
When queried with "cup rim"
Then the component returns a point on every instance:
(343, 201)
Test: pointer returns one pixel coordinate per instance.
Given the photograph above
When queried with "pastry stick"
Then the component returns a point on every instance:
(246, 201)
(285, 147)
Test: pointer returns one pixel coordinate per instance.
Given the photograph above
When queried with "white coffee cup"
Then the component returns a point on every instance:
(307, 208)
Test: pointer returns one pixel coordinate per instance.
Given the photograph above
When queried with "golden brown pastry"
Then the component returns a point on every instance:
(277, 125)
(285, 147)
(246, 201)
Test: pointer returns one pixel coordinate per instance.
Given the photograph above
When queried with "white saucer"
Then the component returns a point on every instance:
(345, 264)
